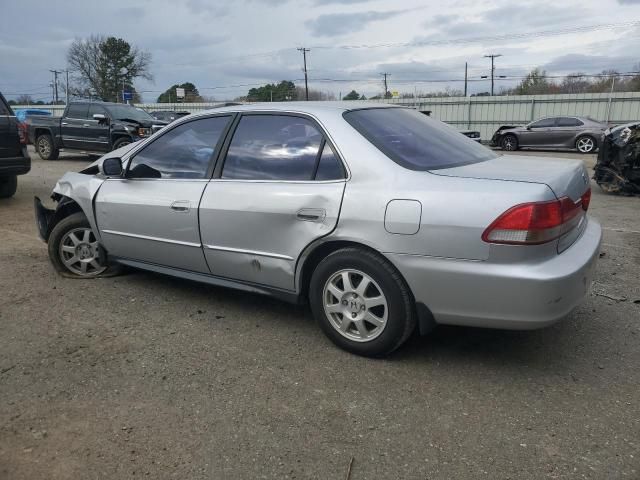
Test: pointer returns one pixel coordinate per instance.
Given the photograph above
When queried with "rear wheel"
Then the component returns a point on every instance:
(361, 302)
(509, 143)
(74, 248)
(8, 186)
(586, 144)
(46, 148)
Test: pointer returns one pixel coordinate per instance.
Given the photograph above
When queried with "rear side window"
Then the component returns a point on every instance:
(182, 152)
(4, 108)
(273, 147)
(416, 141)
(78, 111)
(569, 122)
(329, 167)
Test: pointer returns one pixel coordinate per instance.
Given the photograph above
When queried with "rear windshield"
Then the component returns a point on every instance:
(416, 141)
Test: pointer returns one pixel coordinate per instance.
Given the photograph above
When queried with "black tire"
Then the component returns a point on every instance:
(74, 222)
(509, 143)
(46, 147)
(592, 144)
(121, 142)
(8, 186)
(401, 316)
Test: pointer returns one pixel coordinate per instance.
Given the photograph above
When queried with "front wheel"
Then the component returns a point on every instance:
(509, 143)
(586, 144)
(361, 302)
(74, 249)
(121, 142)
(8, 186)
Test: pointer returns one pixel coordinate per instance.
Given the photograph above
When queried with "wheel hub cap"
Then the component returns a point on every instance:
(355, 305)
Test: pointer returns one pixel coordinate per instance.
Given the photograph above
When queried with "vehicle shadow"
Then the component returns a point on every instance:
(456, 347)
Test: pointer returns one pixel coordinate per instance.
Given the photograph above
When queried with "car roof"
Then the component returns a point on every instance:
(311, 108)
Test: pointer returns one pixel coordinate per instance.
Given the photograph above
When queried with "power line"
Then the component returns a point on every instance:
(510, 36)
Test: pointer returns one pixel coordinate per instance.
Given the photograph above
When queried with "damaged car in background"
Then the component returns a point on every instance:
(618, 167)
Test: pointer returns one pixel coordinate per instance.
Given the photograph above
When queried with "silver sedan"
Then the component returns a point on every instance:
(382, 219)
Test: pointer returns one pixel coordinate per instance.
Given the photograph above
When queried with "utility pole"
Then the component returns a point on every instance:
(66, 97)
(465, 79)
(492, 56)
(306, 83)
(386, 88)
(55, 84)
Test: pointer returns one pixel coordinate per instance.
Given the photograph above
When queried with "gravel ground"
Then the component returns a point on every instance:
(146, 375)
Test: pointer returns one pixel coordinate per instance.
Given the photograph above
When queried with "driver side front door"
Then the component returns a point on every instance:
(151, 215)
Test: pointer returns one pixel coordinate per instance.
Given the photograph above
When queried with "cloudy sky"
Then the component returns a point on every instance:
(225, 47)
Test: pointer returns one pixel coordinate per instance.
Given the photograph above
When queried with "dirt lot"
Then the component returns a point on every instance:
(145, 375)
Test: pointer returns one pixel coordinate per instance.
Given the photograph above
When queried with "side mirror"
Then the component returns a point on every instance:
(528, 127)
(100, 117)
(112, 167)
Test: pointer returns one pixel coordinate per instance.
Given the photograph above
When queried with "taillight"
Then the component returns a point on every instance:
(537, 222)
(22, 133)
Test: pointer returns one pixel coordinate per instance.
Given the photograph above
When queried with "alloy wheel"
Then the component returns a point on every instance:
(355, 305)
(44, 148)
(80, 253)
(586, 145)
(509, 143)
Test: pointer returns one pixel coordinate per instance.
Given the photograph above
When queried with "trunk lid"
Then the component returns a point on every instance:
(564, 177)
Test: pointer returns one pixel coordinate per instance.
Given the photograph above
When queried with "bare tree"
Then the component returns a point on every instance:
(104, 66)
(24, 99)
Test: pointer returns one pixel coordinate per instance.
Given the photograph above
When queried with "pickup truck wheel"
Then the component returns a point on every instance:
(8, 186)
(361, 302)
(121, 142)
(46, 148)
(74, 250)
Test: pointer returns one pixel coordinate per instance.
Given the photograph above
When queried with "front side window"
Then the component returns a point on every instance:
(273, 147)
(544, 123)
(416, 141)
(78, 111)
(182, 152)
(93, 109)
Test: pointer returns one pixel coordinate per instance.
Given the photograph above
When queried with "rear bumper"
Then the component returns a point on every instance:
(15, 165)
(510, 296)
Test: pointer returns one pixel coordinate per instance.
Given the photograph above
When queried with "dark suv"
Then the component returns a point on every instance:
(14, 159)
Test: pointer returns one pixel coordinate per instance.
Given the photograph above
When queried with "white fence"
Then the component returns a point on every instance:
(484, 114)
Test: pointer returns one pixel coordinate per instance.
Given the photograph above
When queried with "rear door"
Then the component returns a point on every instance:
(279, 188)
(73, 126)
(565, 132)
(96, 133)
(151, 215)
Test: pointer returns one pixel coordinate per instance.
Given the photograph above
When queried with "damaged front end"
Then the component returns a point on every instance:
(618, 167)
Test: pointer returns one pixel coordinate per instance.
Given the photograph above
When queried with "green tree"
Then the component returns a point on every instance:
(352, 95)
(281, 92)
(534, 83)
(103, 66)
(191, 94)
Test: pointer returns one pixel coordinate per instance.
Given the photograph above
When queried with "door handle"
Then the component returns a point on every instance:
(86, 125)
(182, 206)
(64, 124)
(311, 214)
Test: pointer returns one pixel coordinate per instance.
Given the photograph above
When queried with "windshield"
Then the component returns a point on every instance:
(122, 112)
(416, 141)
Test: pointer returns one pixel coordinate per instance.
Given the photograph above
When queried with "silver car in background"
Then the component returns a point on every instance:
(383, 219)
(583, 134)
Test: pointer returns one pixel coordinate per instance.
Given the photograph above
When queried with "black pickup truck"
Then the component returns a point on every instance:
(14, 159)
(91, 127)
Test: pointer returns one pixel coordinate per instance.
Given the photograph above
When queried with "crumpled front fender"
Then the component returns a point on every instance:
(81, 189)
